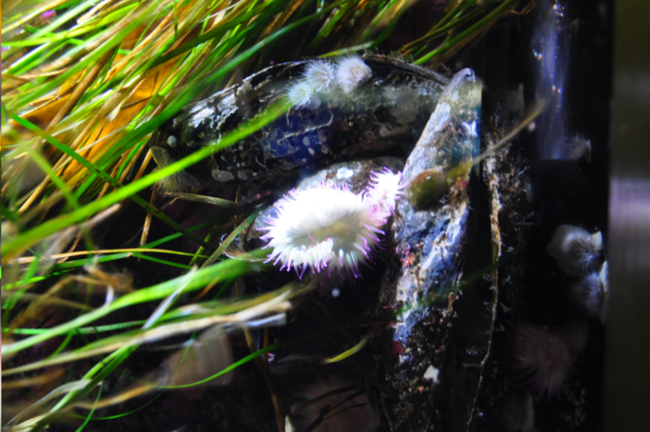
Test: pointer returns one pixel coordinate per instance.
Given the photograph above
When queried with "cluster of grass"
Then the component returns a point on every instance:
(84, 84)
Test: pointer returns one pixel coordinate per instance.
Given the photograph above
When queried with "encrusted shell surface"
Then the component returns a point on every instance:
(383, 114)
(430, 243)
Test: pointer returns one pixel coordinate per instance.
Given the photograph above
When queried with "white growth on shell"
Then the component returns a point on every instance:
(206, 113)
(350, 72)
(432, 373)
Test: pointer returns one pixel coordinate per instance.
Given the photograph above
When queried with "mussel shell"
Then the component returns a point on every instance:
(383, 115)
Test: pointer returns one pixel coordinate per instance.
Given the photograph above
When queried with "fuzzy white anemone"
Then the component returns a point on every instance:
(323, 228)
(328, 227)
(547, 356)
(575, 249)
(350, 72)
(319, 74)
(302, 94)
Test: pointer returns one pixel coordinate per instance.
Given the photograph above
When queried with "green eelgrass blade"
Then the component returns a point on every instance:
(478, 26)
(58, 182)
(92, 411)
(59, 269)
(224, 271)
(50, 227)
(141, 14)
(106, 177)
(232, 237)
(82, 330)
(355, 349)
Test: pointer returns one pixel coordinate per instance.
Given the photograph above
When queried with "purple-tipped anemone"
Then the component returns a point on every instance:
(385, 189)
(329, 227)
(547, 356)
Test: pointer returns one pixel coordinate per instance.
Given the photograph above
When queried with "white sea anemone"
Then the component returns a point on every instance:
(319, 74)
(324, 227)
(576, 251)
(548, 355)
(302, 94)
(576, 149)
(327, 227)
(590, 293)
(350, 72)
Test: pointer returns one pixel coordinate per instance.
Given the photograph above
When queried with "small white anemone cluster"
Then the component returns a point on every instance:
(327, 228)
(321, 77)
(578, 254)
